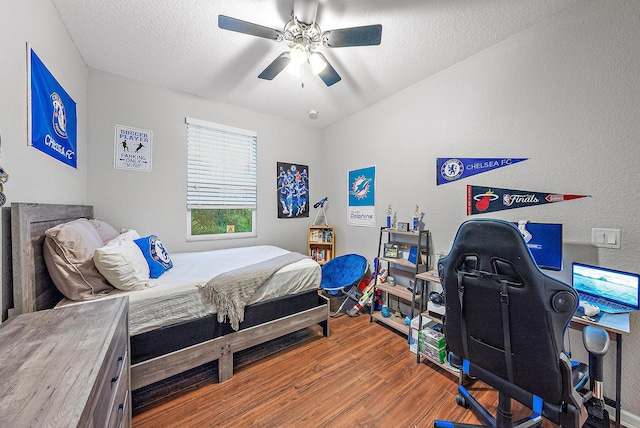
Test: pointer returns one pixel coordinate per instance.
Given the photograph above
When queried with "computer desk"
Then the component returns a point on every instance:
(615, 325)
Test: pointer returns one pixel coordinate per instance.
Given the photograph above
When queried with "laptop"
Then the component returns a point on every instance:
(610, 290)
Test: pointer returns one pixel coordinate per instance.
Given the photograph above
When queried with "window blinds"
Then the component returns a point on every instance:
(221, 166)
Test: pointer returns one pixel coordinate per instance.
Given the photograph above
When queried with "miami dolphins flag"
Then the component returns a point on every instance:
(361, 200)
(452, 169)
(488, 199)
(53, 115)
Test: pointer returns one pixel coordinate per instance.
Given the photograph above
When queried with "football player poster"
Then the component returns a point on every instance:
(292, 190)
(361, 205)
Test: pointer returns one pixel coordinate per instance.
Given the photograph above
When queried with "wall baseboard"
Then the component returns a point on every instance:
(627, 419)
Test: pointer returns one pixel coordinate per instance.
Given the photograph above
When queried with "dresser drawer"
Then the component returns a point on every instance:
(121, 409)
(115, 377)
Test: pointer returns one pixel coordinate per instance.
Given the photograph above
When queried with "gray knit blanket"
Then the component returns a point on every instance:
(230, 291)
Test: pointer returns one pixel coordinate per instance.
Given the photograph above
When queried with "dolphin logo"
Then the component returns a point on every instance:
(361, 187)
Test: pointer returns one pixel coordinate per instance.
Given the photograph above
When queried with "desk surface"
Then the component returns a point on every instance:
(613, 323)
(430, 275)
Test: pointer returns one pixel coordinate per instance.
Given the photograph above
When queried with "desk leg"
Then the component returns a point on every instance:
(422, 288)
(618, 377)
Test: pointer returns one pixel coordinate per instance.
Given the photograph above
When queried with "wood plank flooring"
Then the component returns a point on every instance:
(362, 376)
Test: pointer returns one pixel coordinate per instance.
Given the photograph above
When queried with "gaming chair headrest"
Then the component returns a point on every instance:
(490, 240)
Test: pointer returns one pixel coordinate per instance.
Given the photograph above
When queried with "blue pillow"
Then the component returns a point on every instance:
(156, 255)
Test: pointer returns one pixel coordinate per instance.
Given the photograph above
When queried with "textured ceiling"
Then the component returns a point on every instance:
(177, 44)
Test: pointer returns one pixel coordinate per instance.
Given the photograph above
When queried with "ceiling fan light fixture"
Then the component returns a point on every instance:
(298, 54)
(294, 69)
(317, 63)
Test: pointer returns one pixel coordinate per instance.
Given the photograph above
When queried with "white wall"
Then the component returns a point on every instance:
(155, 202)
(33, 175)
(564, 93)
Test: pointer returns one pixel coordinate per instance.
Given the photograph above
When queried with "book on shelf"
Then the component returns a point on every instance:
(413, 254)
(317, 235)
(320, 254)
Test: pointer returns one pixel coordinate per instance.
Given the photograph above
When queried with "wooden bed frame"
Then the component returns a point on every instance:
(33, 290)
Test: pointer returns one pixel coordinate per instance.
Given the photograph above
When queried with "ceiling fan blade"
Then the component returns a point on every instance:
(276, 66)
(305, 11)
(355, 36)
(239, 26)
(328, 75)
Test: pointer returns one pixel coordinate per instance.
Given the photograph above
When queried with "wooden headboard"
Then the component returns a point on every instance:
(33, 289)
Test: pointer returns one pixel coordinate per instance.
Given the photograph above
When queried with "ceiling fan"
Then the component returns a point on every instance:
(303, 36)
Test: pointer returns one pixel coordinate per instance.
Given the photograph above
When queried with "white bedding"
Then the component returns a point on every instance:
(174, 297)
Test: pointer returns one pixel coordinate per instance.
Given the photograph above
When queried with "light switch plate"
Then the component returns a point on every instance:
(605, 238)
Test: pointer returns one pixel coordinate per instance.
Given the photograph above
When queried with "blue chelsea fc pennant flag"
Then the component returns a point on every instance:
(53, 115)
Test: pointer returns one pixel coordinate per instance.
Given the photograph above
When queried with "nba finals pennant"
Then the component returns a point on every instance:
(488, 199)
(453, 169)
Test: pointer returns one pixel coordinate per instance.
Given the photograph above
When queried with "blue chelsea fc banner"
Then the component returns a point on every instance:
(53, 115)
(453, 169)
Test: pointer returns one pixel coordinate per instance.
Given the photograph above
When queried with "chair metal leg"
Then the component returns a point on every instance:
(504, 417)
(352, 294)
(335, 314)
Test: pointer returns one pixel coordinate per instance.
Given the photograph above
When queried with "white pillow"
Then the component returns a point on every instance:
(125, 234)
(122, 263)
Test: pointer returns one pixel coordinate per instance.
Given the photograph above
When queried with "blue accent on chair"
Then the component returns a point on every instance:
(537, 404)
(342, 275)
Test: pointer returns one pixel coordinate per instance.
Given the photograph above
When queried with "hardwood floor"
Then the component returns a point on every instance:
(362, 376)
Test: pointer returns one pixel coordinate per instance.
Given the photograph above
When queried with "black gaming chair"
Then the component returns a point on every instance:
(505, 320)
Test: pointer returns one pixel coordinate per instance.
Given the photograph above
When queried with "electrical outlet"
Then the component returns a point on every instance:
(605, 238)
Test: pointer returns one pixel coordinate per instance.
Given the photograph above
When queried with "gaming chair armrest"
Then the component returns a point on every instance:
(571, 396)
(596, 340)
(574, 413)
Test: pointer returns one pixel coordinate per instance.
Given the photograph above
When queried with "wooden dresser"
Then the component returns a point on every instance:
(67, 367)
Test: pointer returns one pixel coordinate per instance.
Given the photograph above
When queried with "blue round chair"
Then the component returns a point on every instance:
(341, 276)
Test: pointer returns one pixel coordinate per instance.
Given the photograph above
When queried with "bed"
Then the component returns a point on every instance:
(161, 348)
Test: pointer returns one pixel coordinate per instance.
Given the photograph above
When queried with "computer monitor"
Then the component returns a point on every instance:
(613, 285)
(545, 243)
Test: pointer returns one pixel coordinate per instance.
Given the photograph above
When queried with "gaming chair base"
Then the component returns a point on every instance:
(503, 419)
(598, 415)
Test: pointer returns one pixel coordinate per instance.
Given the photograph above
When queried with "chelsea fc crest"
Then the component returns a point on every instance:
(452, 169)
(59, 118)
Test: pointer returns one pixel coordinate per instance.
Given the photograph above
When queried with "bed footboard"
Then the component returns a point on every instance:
(223, 348)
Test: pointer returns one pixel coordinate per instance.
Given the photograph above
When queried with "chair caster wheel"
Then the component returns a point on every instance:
(461, 401)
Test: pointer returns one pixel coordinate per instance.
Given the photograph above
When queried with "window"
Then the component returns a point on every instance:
(221, 181)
